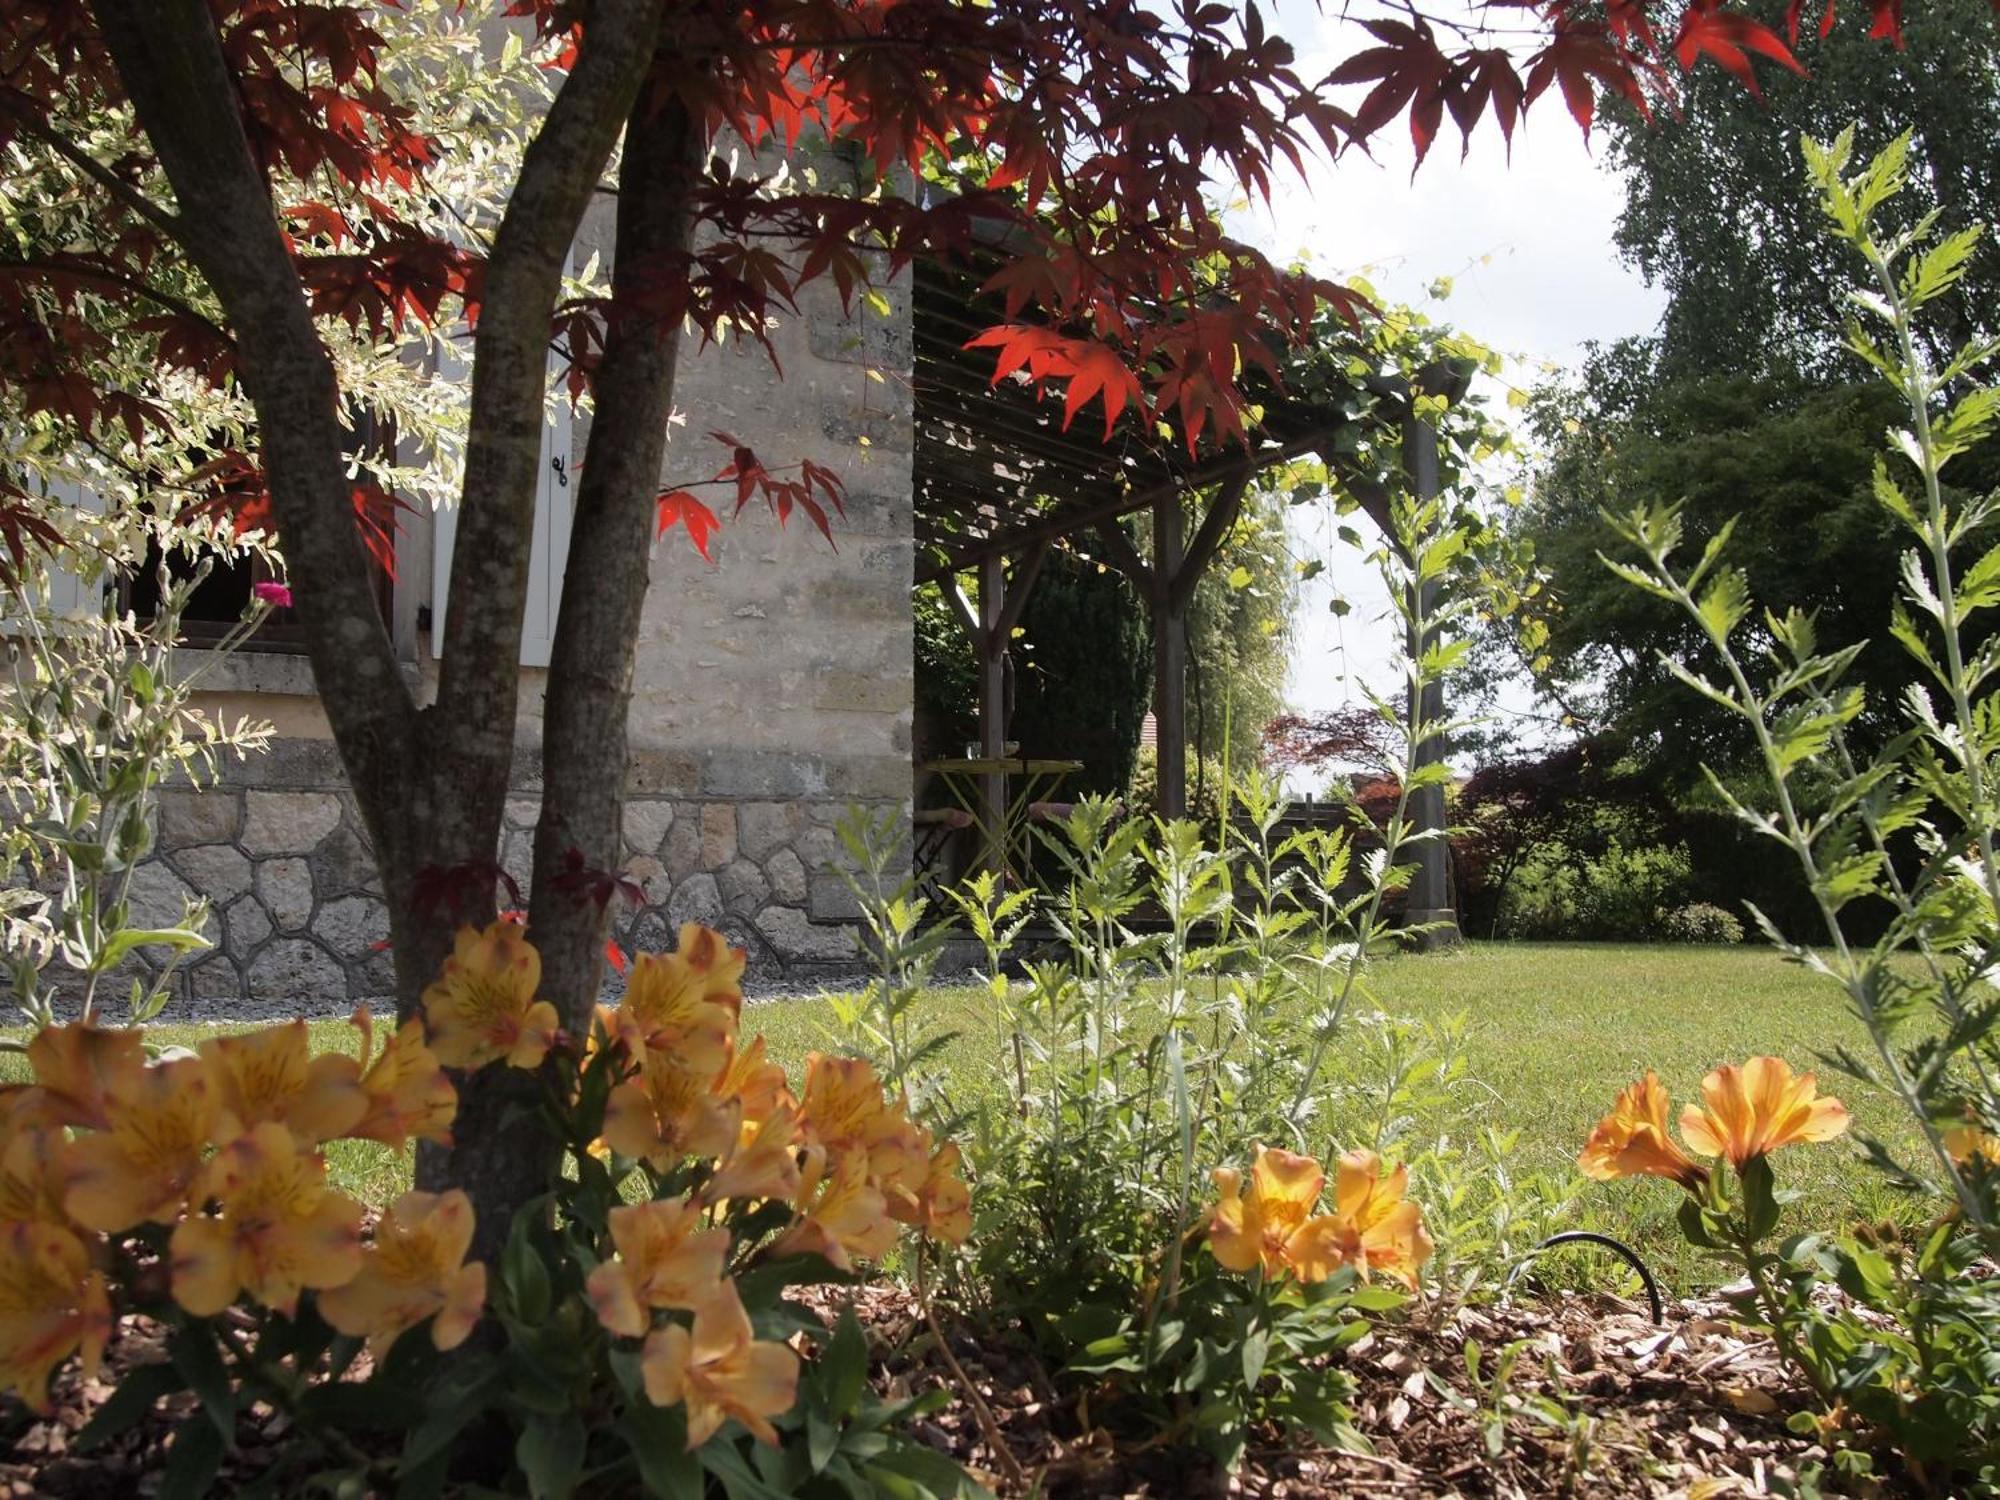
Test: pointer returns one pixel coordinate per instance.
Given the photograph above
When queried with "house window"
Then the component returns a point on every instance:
(219, 602)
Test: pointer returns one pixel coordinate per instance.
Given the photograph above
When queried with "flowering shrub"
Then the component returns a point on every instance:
(633, 1322)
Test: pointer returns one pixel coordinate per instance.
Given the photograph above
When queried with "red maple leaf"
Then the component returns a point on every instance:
(678, 507)
(1707, 30)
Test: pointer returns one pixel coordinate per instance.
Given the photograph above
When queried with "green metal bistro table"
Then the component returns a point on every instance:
(1023, 784)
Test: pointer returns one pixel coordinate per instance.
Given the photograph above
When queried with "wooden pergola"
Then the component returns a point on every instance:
(999, 483)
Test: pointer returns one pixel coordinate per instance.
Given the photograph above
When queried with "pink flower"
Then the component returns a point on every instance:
(277, 595)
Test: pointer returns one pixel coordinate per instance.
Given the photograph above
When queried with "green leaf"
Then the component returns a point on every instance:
(1724, 603)
(719, 1456)
(192, 1461)
(657, 1437)
(1694, 1224)
(1760, 1203)
(522, 1272)
(1256, 1350)
(194, 1354)
(550, 1452)
(136, 1393)
(843, 1367)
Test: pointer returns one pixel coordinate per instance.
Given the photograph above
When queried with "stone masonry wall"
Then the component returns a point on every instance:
(280, 854)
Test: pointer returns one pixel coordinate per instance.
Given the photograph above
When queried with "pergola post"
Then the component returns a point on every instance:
(1169, 659)
(1430, 883)
(1167, 585)
(991, 639)
(990, 626)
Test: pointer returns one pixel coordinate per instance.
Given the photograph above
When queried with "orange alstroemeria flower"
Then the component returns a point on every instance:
(1247, 1232)
(685, 1001)
(52, 1305)
(1966, 1144)
(764, 1162)
(159, 1123)
(34, 1178)
(482, 1009)
(1373, 1227)
(842, 1214)
(408, 1094)
(941, 1204)
(281, 1228)
(667, 1112)
(415, 1270)
(74, 1065)
(666, 1258)
(271, 1074)
(755, 1082)
(720, 1371)
(1632, 1140)
(1753, 1110)
(842, 1108)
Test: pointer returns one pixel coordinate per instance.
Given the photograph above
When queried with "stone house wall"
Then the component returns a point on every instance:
(772, 693)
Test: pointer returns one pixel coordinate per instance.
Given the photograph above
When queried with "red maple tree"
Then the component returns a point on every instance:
(253, 142)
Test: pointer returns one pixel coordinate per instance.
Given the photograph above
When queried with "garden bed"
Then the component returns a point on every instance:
(1600, 1402)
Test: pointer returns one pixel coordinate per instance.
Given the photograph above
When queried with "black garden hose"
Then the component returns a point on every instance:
(1618, 1247)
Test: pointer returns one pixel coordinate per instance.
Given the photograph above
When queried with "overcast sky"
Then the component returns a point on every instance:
(1527, 245)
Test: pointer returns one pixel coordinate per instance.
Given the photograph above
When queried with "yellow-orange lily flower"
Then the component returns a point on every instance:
(720, 1371)
(281, 1228)
(941, 1204)
(764, 1162)
(408, 1095)
(1753, 1110)
(73, 1066)
(52, 1305)
(482, 1008)
(34, 1178)
(666, 1258)
(1373, 1227)
(271, 1074)
(842, 1108)
(667, 1112)
(755, 1082)
(1246, 1232)
(159, 1121)
(842, 1214)
(415, 1270)
(1632, 1140)
(1969, 1143)
(686, 999)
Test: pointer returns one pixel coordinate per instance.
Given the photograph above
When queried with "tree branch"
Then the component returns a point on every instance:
(1214, 526)
(169, 57)
(28, 120)
(584, 749)
(480, 682)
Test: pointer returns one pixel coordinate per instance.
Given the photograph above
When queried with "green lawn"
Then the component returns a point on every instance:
(1553, 1032)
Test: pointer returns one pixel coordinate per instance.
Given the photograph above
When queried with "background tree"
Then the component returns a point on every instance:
(1713, 214)
(1747, 402)
(1240, 632)
(257, 141)
(1083, 671)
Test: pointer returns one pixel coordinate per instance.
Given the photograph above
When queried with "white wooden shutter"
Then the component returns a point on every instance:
(550, 550)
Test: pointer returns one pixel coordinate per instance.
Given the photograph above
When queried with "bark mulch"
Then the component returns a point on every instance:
(1600, 1403)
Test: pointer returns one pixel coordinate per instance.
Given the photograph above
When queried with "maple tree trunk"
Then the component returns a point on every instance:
(430, 783)
(584, 741)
